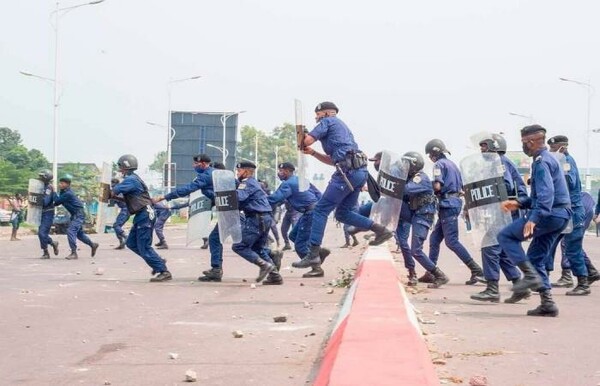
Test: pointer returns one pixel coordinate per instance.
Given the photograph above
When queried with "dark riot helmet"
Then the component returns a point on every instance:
(492, 144)
(415, 162)
(326, 106)
(435, 147)
(501, 143)
(45, 176)
(127, 162)
(66, 178)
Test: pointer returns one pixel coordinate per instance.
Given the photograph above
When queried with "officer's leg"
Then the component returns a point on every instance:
(144, 246)
(322, 210)
(82, 236)
(511, 272)
(573, 247)
(564, 259)
(300, 234)
(215, 248)
(286, 223)
(275, 231)
(435, 240)
(566, 279)
(159, 227)
(450, 231)
(552, 253)
(490, 257)
(132, 242)
(403, 233)
(346, 236)
(419, 234)
(72, 230)
(250, 234)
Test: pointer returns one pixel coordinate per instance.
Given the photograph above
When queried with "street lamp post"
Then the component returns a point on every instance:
(528, 117)
(223, 151)
(590, 90)
(224, 119)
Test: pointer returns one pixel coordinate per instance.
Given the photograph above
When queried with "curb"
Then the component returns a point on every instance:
(376, 339)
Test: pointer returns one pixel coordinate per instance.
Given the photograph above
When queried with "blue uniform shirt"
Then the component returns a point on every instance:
(70, 201)
(131, 185)
(336, 138)
(512, 178)
(448, 175)
(289, 190)
(548, 189)
(573, 181)
(49, 197)
(251, 197)
(588, 206)
(121, 204)
(419, 185)
(202, 182)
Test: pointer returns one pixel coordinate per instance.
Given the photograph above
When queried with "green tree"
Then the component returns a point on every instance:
(8, 140)
(160, 159)
(85, 182)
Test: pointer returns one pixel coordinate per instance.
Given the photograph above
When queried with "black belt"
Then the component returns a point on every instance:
(448, 195)
(257, 214)
(561, 206)
(307, 209)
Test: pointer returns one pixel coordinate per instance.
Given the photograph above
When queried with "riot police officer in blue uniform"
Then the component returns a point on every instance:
(419, 209)
(256, 223)
(573, 241)
(550, 210)
(121, 219)
(47, 215)
(74, 206)
(447, 185)
(204, 183)
(341, 151)
(302, 202)
(135, 194)
(493, 257)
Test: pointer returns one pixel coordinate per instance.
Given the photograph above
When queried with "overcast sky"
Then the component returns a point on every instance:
(401, 72)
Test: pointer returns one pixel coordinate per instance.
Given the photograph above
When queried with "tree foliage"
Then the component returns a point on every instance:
(85, 182)
(159, 161)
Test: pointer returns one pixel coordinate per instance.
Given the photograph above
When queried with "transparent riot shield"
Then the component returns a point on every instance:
(484, 188)
(391, 180)
(302, 162)
(226, 202)
(106, 213)
(35, 198)
(200, 214)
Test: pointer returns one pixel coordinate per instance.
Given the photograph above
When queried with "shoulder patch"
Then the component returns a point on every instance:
(538, 158)
(567, 167)
(417, 179)
(437, 172)
(242, 186)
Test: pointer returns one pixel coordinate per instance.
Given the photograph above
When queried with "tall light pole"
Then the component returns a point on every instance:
(224, 119)
(528, 117)
(170, 131)
(590, 90)
(225, 152)
(276, 163)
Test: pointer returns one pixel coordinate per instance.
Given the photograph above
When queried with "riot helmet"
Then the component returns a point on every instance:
(45, 175)
(66, 178)
(435, 148)
(127, 162)
(415, 162)
(501, 143)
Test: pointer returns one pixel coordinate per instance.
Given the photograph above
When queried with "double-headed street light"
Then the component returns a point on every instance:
(223, 150)
(224, 119)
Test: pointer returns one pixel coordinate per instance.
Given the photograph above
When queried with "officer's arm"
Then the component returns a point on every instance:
(416, 188)
(316, 134)
(49, 198)
(571, 178)
(284, 191)
(59, 199)
(244, 191)
(317, 192)
(180, 206)
(183, 191)
(320, 156)
(545, 193)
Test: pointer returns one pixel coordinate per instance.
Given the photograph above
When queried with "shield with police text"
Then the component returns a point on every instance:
(391, 180)
(226, 203)
(200, 214)
(35, 198)
(483, 179)
(302, 161)
(107, 213)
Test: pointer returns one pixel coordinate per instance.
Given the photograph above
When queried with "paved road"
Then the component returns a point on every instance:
(63, 324)
(499, 342)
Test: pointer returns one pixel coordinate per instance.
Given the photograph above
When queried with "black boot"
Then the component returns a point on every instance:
(518, 296)
(265, 269)
(547, 307)
(323, 253)
(55, 248)
(476, 273)
(162, 276)
(382, 234)
(158, 244)
(440, 278)
(214, 274)
(565, 281)
(72, 256)
(287, 247)
(276, 256)
(593, 274)
(530, 280)
(312, 258)
(354, 241)
(489, 294)
(205, 245)
(426, 278)
(274, 278)
(412, 278)
(315, 271)
(121, 244)
(94, 247)
(163, 245)
(45, 255)
(582, 289)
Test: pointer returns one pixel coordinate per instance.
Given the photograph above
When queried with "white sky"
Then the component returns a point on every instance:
(401, 72)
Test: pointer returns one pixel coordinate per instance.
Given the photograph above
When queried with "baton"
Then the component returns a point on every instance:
(346, 180)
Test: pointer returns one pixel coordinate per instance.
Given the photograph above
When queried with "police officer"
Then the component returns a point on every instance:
(121, 219)
(47, 214)
(447, 185)
(204, 183)
(493, 257)
(420, 203)
(550, 212)
(74, 206)
(135, 194)
(302, 202)
(573, 241)
(341, 194)
(256, 223)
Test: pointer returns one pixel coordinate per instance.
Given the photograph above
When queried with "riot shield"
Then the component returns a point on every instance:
(226, 202)
(106, 213)
(566, 168)
(35, 197)
(302, 169)
(200, 214)
(484, 191)
(391, 180)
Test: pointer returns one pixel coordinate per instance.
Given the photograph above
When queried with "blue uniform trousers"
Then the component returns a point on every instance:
(216, 248)
(75, 231)
(446, 229)
(573, 256)
(420, 228)
(339, 197)
(161, 218)
(140, 241)
(544, 235)
(255, 234)
(494, 259)
(402, 235)
(121, 219)
(300, 234)
(290, 218)
(44, 228)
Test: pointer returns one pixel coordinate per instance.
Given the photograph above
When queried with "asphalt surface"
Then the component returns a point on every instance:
(99, 321)
(470, 339)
